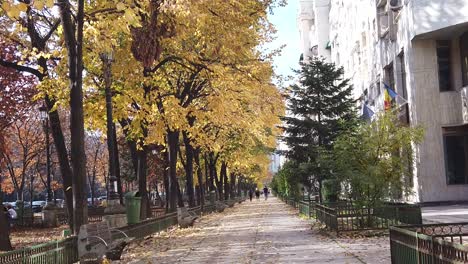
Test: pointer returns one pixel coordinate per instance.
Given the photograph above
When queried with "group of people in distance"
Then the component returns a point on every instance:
(257, 193)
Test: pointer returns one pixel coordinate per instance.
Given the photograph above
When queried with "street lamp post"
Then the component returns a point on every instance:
(45, 120)
(49, 214)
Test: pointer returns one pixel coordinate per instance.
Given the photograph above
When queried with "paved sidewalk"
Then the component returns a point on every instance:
(256, 232)
(445, 214)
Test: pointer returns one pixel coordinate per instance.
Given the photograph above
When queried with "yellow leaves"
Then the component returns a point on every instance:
(131, 18)
(49, 3)
(38, 4)
(120, 6)
(41, 4)
(13, 9)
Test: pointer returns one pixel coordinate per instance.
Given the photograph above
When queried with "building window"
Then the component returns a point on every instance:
(390, 76)
(382, 14)
(464, 57)
(443, 63)
(402, 89)
(456, 154)
(377, 86)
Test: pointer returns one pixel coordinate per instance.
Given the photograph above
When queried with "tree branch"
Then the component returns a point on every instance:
(51, 31)
(21, 68)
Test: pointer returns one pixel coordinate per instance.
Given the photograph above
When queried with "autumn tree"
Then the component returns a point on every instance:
(97, 168)
(16, 92)
(32, 28)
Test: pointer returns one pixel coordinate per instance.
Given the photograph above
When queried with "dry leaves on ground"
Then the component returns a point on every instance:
(28, 236)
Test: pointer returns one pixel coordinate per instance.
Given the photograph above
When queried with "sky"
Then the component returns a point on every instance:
(284, 19)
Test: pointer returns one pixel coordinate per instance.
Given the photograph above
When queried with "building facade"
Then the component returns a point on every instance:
(314, 28)
(420, 49)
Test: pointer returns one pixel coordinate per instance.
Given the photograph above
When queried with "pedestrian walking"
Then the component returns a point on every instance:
(11, 212)
(257, 193)
(265, 192)
(250, 194)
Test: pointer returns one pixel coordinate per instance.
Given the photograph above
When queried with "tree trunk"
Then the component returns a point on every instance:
(173, 141)
(93, 186)
(117, 165)
(166, 181)
(141, 175)
(240, 184)
(140, 165)
(208, 179)
(125, 124)
(62, 156)
(180, 200)
(200, 177)
(20, 195)
(189, 151)
(214, 177)
(225, 180)
(232, 187)
(5, 243)
(73, 34)
(107, 64)
(220, 184)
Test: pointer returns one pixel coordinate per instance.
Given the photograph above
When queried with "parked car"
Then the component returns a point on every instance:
(9, 203)
(37, 206)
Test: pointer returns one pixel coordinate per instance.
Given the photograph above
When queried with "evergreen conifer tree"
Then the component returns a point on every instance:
(318, 109)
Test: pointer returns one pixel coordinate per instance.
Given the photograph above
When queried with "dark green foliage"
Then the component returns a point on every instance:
(286, 182)
(331, 190)
(374, 162)
(319, 108)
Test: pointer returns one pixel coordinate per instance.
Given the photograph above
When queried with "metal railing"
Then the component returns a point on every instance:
(158, 211)
(65, 251)
(305, 208)
(55, 252)
(354, 218)
(429, 244)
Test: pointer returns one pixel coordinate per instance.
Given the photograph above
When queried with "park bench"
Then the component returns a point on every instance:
(95, 241)
(220, 206)
(185, 218)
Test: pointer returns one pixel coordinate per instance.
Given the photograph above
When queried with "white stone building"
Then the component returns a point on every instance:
(420, 49)
(314, 28)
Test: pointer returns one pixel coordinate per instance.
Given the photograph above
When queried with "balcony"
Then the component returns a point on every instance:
(436, 16)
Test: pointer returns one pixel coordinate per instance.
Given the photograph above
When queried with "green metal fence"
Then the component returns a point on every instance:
(65, 251)
(353, 218)
(148, 227)
(429, 244)
(305, 208)
(55, 252)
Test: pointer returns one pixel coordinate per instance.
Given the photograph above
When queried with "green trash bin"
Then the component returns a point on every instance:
(132, 204)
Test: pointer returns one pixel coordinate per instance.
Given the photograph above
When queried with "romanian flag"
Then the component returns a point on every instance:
(389, 97)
